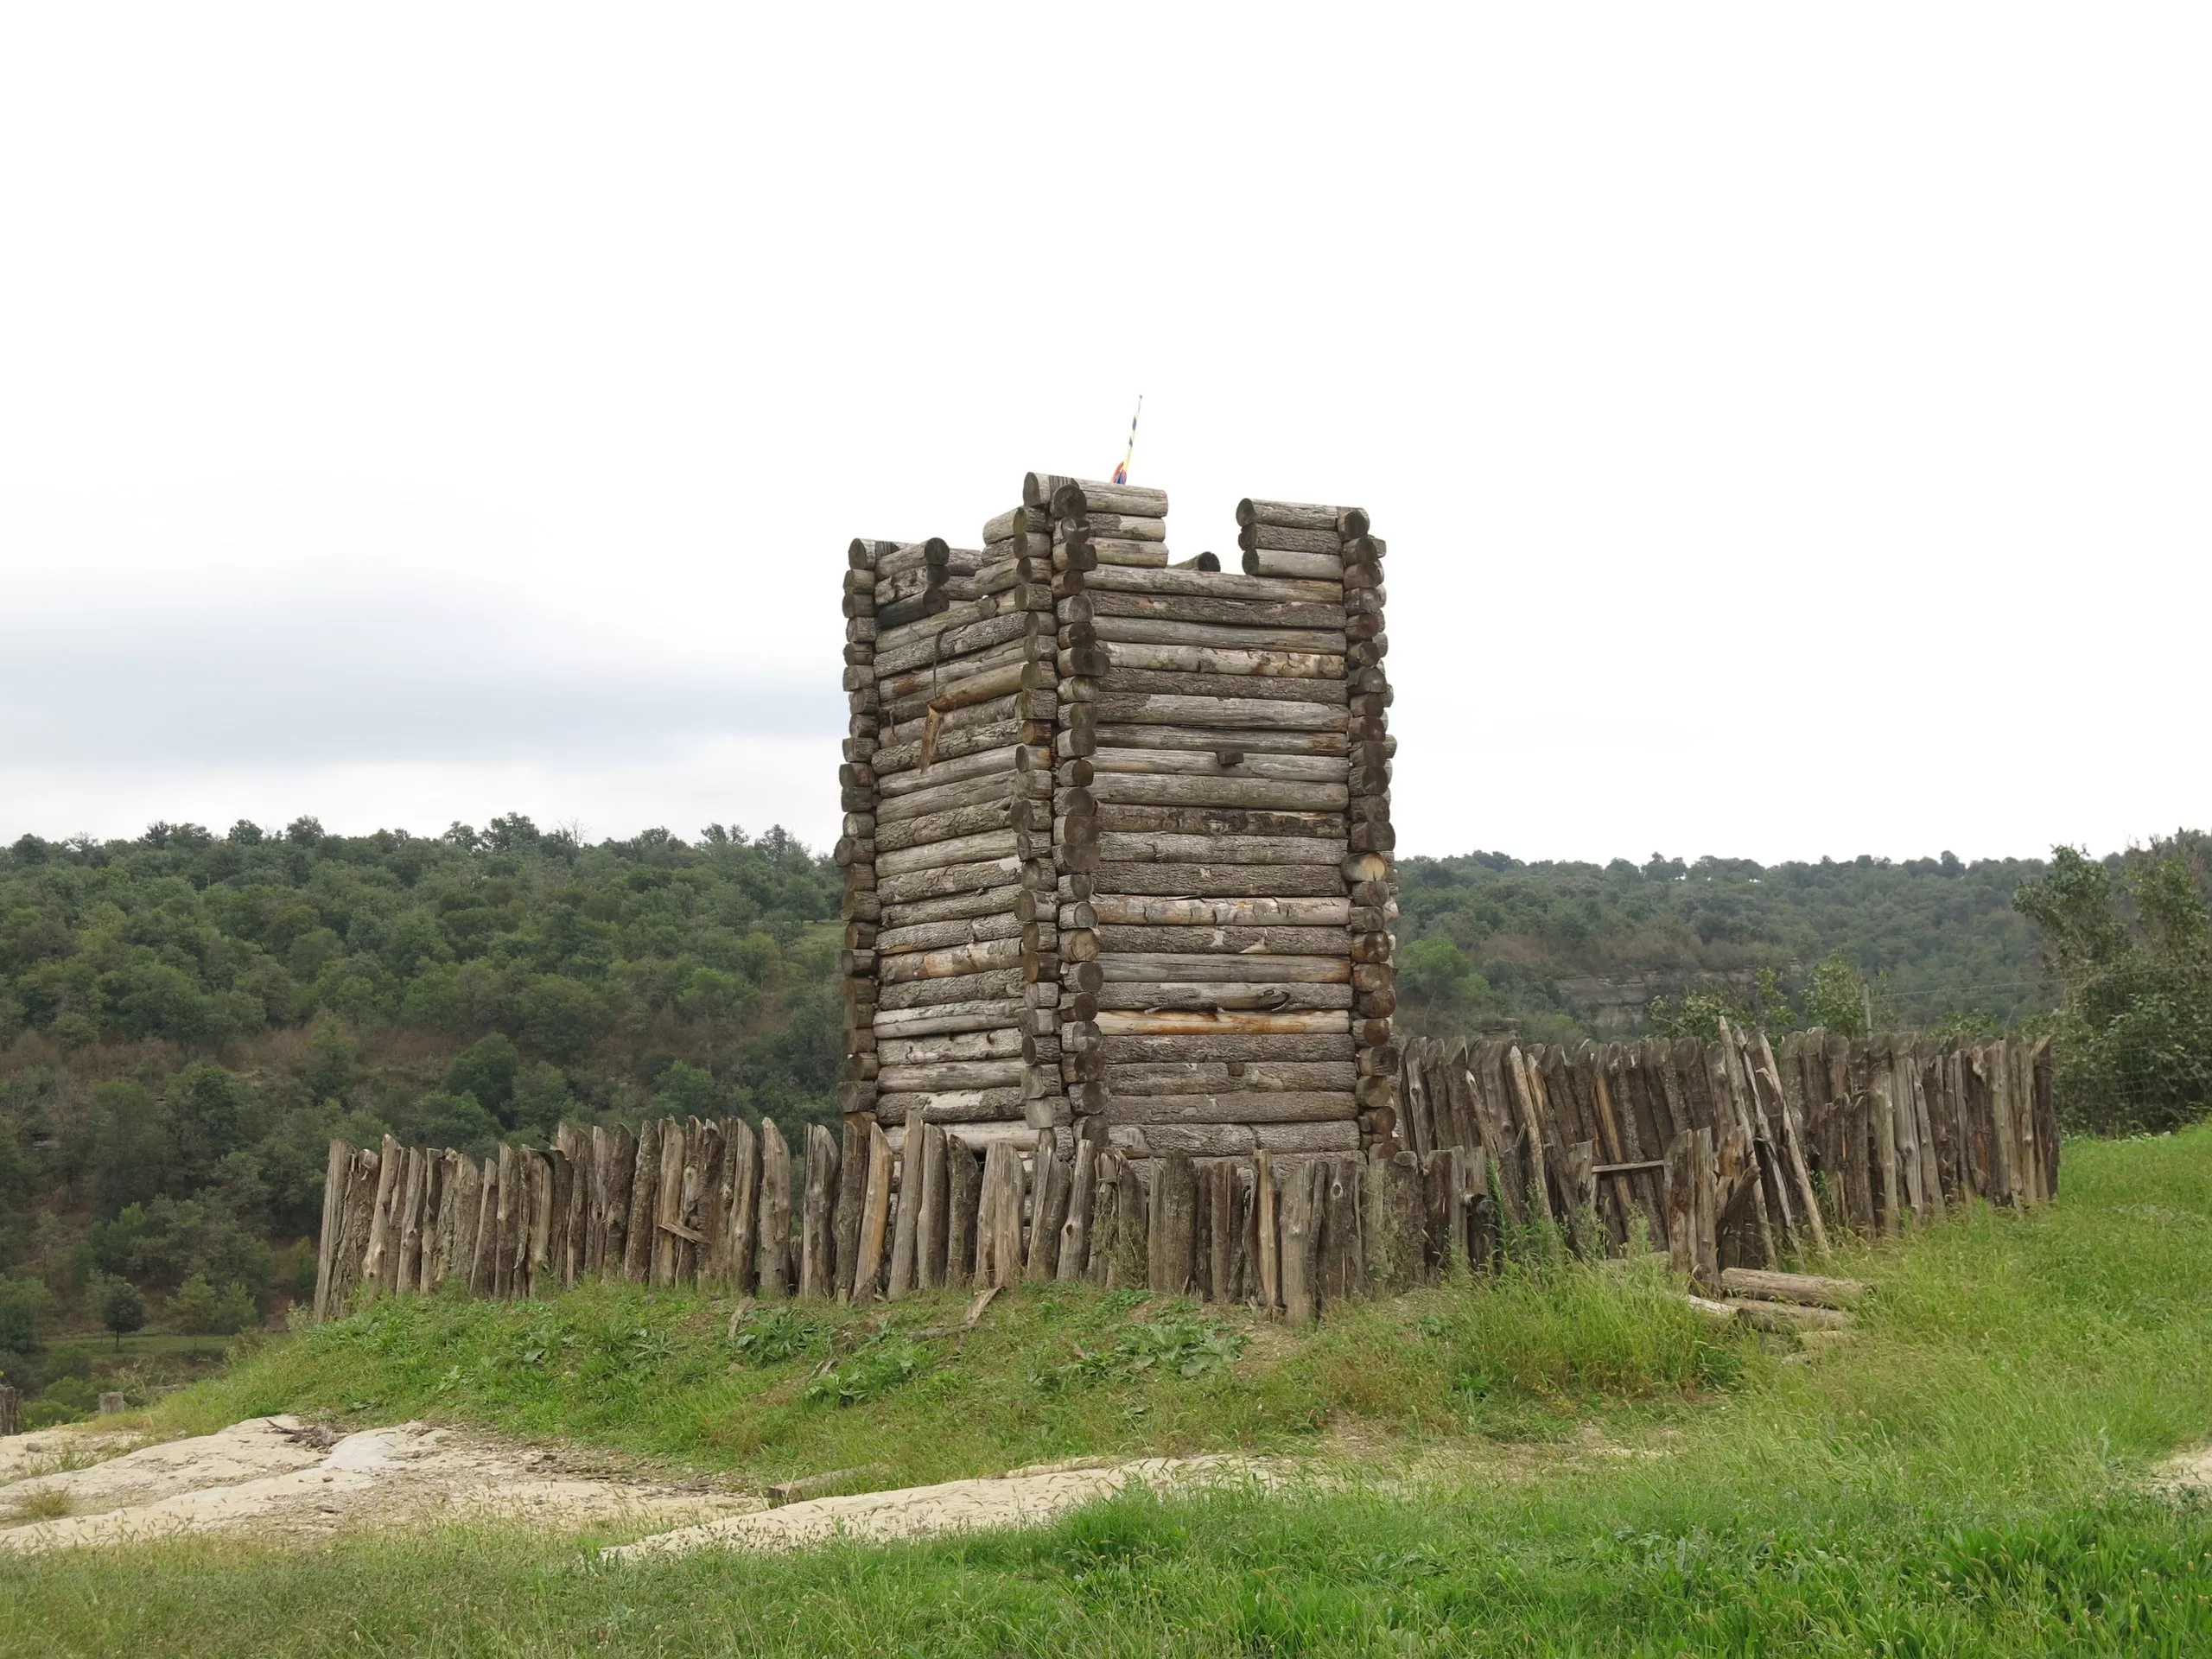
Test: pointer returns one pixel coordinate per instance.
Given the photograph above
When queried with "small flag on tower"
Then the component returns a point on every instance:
(1122, 472)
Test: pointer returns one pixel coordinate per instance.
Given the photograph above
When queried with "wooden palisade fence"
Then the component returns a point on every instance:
(1730, 1154)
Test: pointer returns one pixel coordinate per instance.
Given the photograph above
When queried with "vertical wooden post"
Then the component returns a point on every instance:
(1302, 1229)
(963, 1190)
(1169, 1225)
(742, 1158)
(775, 1248)
(1075, 1231)
(875, 1220)
(642, 1208)
(931, 1232)
(668, 1205)
(852, 1200)
(1050, 1212)
(1222, 1217)
(1269, 1238)
(340, 1160)
(817, 1245)
(909, 1212)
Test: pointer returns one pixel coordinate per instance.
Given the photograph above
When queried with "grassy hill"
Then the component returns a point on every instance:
(1555, 1463)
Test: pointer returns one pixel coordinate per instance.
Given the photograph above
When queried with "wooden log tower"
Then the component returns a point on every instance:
(1116, 852)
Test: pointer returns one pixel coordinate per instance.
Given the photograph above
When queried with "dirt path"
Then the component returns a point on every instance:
(1024, 1497)
(284, 1475)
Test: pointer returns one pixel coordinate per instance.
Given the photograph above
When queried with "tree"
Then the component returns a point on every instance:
(1835, 996)
(121, 1306)
(2130, 943)
(192, 1310)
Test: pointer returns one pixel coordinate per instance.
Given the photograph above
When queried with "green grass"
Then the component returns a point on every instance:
(1965, 1477)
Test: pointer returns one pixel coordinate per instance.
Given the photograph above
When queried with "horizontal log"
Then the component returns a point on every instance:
(992, 683)
(963, 987)
(1213, 659)
(1787, 1316)
(1229, 881)
(1043, 489)
(1238, 713)
(904, 687)
(1209, 764)
(1015, 520)
(955, 878)
(1217, 820)
(978, 957)
(1223, 788)
(1222, 940)
(938, 936)
(1226, 996)
(1189, 620)
(930, 1075)
(1811, 1289)
(960, 615)
(1218, 1048)
(1215, 584)
(1138, 967)
(1270, 688)
(953, 644)
(903, 761)
(950, 1106)
(930, 602)
(1109, 909)
(1149, 848)
(1136, 1140)
(899, 732)
(982, 1014)
(1306, 567)
(1285, 1106)
(1213, 1076)
(945, 797)
(1288, 538)
(990, 845)
(1293, 515)
(1123, 526)
(905, 556)
(1003, 899)
(998, 1043)
(983, 816)
(1209, 741)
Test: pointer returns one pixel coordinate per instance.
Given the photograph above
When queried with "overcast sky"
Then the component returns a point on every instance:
(1789, 424)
